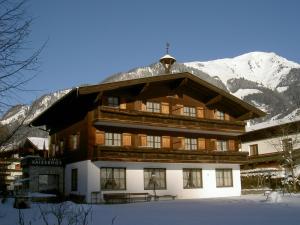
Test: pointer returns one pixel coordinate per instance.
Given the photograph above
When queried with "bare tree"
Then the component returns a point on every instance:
(286, 142)
(16, 59)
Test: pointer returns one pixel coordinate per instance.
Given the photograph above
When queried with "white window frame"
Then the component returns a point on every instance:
(190, 144)
(112, 139)
(153, 141)
(221, 145)
(153, 107)
(189, 111)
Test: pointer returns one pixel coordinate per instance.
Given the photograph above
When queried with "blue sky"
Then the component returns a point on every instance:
(90, 40)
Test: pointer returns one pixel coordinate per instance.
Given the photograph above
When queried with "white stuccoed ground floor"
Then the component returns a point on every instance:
(89, 179)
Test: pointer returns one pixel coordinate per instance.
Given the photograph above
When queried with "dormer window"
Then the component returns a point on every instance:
(219, 115)
(113, 101)
(189, 111)
(153, 107)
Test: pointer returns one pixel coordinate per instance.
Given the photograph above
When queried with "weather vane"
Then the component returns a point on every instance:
(168, 46)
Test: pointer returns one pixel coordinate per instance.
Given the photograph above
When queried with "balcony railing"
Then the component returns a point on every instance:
(178, 121)
(135, 154)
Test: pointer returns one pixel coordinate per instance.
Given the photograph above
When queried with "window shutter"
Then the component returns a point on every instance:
(231, 145)
(139, 105)
(142, 140)
(210, 114)
(200, 112)
(177, 109)
(227, 117)
(100, 139)
(143, 106)
(201, 143)
(166, 141)
(122, 103)
(181, 143)
(213, 144)
(165, 108)
(126, 139)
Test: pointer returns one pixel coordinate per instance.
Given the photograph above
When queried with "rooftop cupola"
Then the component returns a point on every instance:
(167, 60)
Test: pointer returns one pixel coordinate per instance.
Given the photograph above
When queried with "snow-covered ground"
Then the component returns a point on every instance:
(249, 209)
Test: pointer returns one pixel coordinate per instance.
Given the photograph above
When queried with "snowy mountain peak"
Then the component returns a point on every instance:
(266, 68)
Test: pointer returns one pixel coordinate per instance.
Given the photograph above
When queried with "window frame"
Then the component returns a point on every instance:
(153, 107)
(153, 141)
(190, 144)
(74, 179)
(187, 111)
(103, 181)
(222, 144)
(253, 150)
(112, 139)
(193, 170)
(221, 180)
(161, 180)
(220, 115)
(113, 101)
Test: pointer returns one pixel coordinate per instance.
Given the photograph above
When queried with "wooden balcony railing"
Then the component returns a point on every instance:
(134, 154)
(142, 117)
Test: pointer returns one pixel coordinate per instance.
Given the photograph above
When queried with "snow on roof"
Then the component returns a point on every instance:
(40, 143)
(273, 123)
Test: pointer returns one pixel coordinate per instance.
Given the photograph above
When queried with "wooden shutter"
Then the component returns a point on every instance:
(177, 109)
(165, 108)
(100, 137)
(178, 143)
(166, 141)
(210, 114)
(140, 105)
(181, 143)
(227, 116)
(142, 140)
(126, 139)
(231, 145)
(201, 143)
(212, 145)
(200, 112)
(122, 103)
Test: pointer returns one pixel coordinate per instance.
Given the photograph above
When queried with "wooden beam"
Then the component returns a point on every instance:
(182, 83)
(144, 88)
(98, 97)
(214, 100)
(246, 116)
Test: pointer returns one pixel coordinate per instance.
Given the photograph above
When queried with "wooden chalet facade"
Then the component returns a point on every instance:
(173, 134)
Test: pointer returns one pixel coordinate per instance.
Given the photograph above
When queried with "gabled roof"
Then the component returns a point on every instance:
(84, 96)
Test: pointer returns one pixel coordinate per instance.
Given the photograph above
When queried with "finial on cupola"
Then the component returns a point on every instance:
(167, 60)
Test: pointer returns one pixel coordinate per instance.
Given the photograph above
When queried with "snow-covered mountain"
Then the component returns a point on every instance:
(265, 80)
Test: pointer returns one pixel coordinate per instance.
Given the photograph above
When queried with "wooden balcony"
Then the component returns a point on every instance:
(107, 153)
(106, 116)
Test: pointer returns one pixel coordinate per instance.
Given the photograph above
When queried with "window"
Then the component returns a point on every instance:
(74, 179)
(221, 145)
(154, 141)
(224, 177)
(74, 141)
(113, 178)
(112, 139)
(113, 101)
(287, 144)
(190, 144)
(48, 183)
(155, 179)
(153, 107)
(219, 115)
(192, 178)
(189, 111)
(253, 149)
